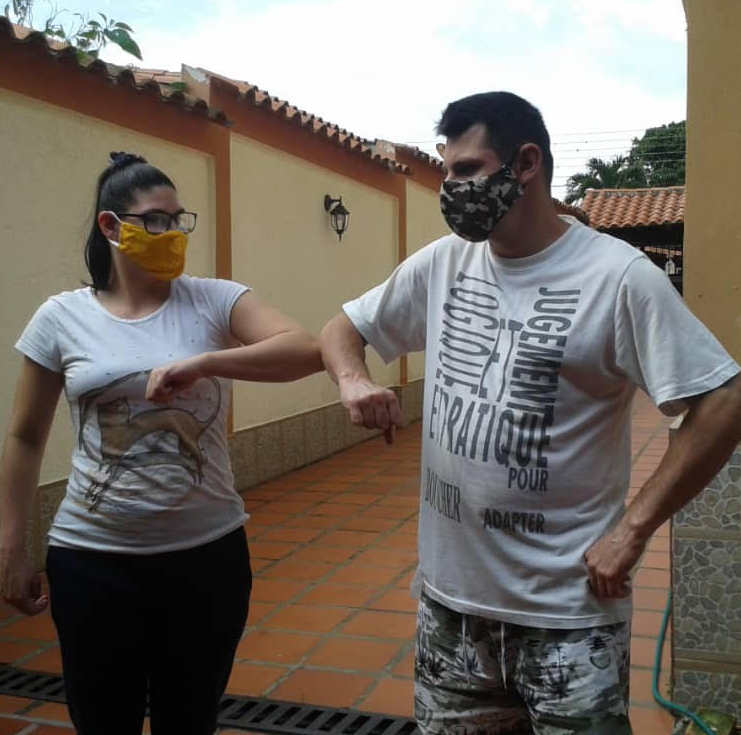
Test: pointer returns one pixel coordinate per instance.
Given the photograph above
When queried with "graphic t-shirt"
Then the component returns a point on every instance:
(531, 367)
(146, 477)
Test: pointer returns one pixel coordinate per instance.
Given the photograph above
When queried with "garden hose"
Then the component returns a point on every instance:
(665, 703)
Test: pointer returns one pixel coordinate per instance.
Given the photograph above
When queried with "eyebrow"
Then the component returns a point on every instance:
(465, 163)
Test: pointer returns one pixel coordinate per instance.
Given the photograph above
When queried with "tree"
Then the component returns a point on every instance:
(88, 36)
(619, 173)
(661, 153)
(655, 159)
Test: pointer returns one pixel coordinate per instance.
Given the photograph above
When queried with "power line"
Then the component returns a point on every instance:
(652, 159)
(668, 136)
(554, 136)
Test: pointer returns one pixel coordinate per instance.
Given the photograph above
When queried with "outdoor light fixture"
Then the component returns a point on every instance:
(339, 216)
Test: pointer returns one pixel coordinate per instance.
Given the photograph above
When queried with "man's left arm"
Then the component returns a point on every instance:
(709, 433)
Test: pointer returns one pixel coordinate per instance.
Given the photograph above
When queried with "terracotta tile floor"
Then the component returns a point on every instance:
(332, 621)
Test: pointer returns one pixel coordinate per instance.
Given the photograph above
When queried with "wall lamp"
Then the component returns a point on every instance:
(339, 216)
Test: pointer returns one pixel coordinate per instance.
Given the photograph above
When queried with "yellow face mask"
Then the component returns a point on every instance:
(162, 255)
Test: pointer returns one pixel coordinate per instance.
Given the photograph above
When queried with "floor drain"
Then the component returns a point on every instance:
(242, 713)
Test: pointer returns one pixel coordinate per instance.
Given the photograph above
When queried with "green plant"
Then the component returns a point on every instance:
(87, 35)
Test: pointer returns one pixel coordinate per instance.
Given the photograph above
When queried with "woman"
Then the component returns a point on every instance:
(148, 564)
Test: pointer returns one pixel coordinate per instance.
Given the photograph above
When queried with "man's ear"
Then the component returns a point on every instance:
(528, 164)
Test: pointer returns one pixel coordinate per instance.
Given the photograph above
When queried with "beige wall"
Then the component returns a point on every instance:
(712, 233)
(50, 161)
(425, 224)
(285, 249)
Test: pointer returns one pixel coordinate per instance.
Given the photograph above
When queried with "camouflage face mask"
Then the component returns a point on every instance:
(473, 208)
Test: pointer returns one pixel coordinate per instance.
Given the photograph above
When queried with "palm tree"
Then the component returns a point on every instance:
(616, 174)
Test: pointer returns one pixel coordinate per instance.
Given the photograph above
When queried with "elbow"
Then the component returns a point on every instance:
(31, 437)
(310, 361)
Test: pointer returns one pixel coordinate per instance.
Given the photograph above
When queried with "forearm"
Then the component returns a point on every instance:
(280, 358)
(19, 478)
(343, 350)
(709, 433)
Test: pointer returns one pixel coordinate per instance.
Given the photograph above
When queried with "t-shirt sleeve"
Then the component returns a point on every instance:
(661, 345)
(220, 296)
(40, 339)
(392, 317)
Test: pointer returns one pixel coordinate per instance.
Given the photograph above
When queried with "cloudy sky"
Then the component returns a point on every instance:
(601, 71)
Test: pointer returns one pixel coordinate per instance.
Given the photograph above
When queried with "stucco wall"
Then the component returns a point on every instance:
(425, 224)
(283, 247)
(51, 158)
(706, 543)
(712, 232)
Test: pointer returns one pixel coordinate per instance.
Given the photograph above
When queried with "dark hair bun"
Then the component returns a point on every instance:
(120, 159)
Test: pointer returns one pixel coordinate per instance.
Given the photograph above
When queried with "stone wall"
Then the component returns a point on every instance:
(706, 595)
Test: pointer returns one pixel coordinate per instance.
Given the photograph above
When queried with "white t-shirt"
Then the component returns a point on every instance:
(146, 478)
(531, 367)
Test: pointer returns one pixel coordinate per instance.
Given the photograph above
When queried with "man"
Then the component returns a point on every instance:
(537, 330)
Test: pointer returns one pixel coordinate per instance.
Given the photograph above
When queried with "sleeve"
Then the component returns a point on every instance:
(40, 339)
(661, 345)
(220, 295)
(392, 317)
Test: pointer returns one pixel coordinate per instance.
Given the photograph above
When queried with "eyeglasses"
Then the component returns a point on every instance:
(155, 223)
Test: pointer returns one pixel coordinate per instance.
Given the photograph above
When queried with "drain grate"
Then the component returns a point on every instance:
(290, 718)
(242, 713)
(31, 684)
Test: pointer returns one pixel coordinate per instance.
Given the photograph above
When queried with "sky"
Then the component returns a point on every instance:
(600, 71)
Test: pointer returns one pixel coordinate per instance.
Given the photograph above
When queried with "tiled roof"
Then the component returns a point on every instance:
(252, 95)
(118, 75)
(617, 208)
(156, 75)
(162, 82)
(420, 155)
(570, 209)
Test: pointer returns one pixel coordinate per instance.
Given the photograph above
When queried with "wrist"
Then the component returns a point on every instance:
(352, 376)
(205, 364)
(12, 544)
(632, 529)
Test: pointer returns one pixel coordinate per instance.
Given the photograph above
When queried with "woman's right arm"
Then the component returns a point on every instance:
(36, 398)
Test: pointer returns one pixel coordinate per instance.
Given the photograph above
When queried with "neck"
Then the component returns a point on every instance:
(531, 226)
(132, 292)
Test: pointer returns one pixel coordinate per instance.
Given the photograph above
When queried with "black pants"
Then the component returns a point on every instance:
(162, 627)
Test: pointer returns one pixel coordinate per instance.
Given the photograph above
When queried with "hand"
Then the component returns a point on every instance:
(21, 585)
(167, 381)
(371, 406)
(610, 561)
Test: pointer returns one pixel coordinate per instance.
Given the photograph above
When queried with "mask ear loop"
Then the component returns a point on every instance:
(115, 216)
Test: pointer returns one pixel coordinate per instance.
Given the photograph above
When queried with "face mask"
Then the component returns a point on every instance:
(473, 208)
(162, 255)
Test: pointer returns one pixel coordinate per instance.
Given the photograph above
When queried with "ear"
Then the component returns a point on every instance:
(529, 163)
(108, 225)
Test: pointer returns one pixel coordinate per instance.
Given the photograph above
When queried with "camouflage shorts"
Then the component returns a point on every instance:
(475, 676)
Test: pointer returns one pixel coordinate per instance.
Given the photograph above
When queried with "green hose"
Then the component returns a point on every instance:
(666, 704)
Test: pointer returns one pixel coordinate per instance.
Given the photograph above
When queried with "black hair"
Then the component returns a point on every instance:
(510, 122)
(126, 175)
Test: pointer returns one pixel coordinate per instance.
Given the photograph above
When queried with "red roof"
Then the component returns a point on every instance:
(121, 76)
(169, 85)
(617, 208)
(420, 155)
(570, 209)
(250, 94)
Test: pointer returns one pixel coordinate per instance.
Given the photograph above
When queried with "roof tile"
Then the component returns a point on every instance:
(160, 81)
(136, 80)
(570, 209)
(617, 208)
(250, 94)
